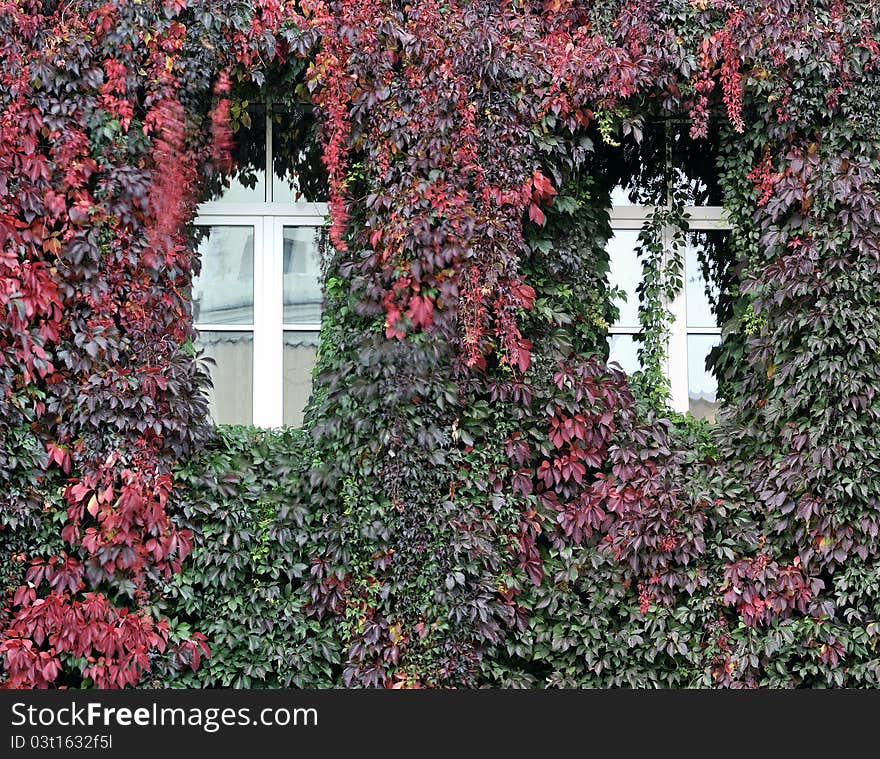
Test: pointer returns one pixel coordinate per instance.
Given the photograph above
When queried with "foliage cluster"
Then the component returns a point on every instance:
(481, 498)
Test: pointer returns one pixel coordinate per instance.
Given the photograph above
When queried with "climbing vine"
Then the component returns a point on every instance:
(661, 243)
(485, 499)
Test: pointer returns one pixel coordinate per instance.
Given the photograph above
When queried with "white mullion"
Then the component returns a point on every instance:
(268, 381)
(302, 213)
(676, 346)
(629, 217)
(215, 219)
(275, 303)
(707, 217)
(259, 321)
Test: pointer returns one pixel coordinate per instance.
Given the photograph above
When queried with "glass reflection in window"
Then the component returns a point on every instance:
(230, 401)
(625, 274)
(223, 293)
(302, 276)
(702, 385)
(698, 297)
(623, 350)
(300, 350)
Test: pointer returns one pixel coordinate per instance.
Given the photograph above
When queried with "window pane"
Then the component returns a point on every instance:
(300, 349)
(298, 171)
(701, 302)
(626, 273)
(223, 293)
(702, 386)
(697, 299)
(247, 183)
(231, 400)
(302, 272)
(624, 351)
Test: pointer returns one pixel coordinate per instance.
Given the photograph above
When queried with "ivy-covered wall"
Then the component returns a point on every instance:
(477, 498)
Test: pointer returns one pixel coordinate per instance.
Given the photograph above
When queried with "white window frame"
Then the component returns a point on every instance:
(268, 324)
(268, 219)
(675, 363)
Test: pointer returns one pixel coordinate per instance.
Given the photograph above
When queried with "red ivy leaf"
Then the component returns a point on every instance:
(421, 311)
(537, 215)
(59, 455)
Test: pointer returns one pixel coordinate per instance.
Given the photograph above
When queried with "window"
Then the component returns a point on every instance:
(694, 330)
(257, 299)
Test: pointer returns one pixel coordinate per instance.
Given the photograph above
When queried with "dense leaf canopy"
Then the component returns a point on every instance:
(480, 498)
